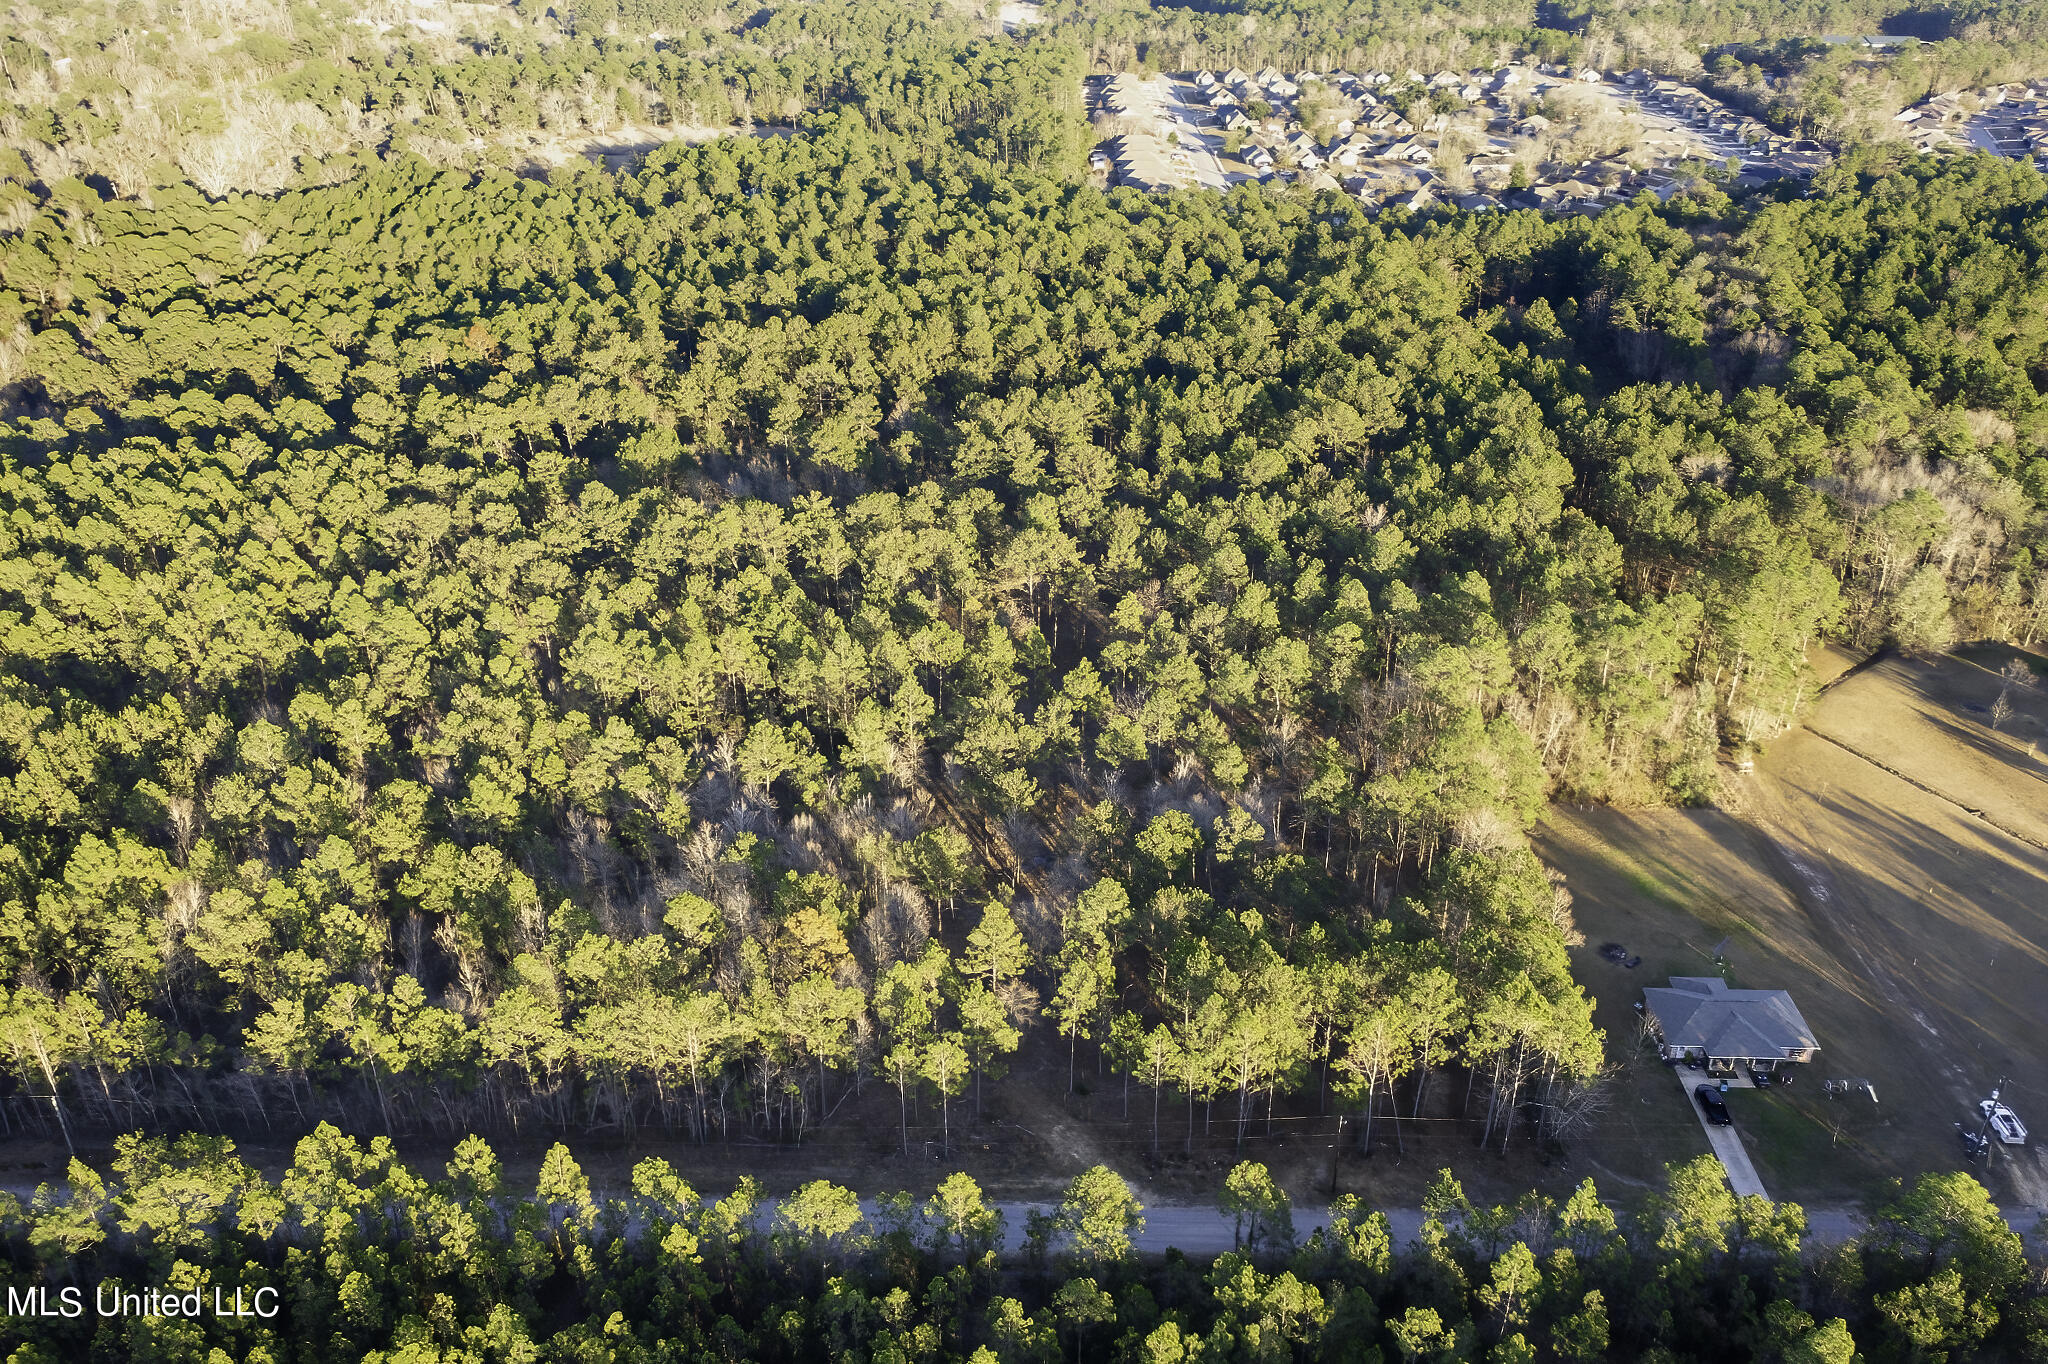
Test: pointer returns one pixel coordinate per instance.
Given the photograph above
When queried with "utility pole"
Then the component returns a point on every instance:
(1986, 1109)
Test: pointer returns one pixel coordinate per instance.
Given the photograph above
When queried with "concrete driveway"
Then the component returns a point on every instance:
(1726, 1141)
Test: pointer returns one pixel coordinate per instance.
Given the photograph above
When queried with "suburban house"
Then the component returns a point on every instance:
(1129, 97)
(1142, 161)
(1699, 1017)
(1492, 172)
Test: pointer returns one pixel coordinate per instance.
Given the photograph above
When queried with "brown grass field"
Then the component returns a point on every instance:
(1885, 863)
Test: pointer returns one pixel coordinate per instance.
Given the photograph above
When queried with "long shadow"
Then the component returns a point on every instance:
(1919, 847)
(1994, 821)
(1967, 678)
(1935, 994)
(1987, 742)
(1944, 964)
(1722, 874)
(1962, 990)
(1941, 691)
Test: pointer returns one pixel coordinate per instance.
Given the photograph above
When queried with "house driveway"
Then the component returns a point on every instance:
(1726, 1141)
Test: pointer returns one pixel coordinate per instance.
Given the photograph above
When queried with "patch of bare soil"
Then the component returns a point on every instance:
(624, 147)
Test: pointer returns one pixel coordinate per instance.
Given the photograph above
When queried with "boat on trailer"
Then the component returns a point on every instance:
(2003, 1122)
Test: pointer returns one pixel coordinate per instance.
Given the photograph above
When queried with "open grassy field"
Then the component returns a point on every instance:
(1885, 864)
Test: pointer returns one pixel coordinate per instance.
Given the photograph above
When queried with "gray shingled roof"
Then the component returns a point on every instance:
(1702, 1012)
(1143, 160)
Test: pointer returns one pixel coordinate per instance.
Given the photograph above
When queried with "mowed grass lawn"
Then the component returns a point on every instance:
(1669, 886)
(1908, 929)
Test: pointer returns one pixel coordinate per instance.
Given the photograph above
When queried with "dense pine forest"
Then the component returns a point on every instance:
(663, 652)
(812, 624)
(352, 1256)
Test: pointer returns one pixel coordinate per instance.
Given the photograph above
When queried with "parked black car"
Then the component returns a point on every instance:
(1710, 1099)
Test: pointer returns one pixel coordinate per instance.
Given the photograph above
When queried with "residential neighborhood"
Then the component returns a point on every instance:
(2007, 120)
(1515, 136)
